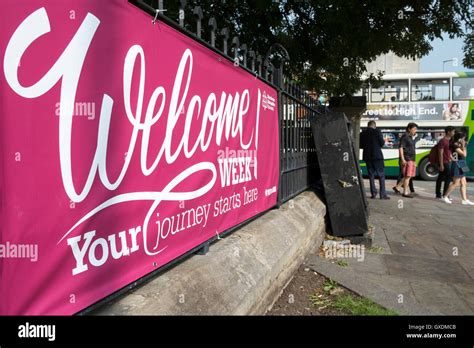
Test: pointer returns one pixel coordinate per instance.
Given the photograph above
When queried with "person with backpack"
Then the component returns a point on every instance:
(459, 168)
(443, 160)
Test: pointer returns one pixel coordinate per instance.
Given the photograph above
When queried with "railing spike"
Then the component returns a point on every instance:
(266, 65)
(271, 70)
(252, 56)
(213, 24)
(197, 12)
(259, 61)
(225, 34)
(182, 6)
(236, 44)
(243, 51)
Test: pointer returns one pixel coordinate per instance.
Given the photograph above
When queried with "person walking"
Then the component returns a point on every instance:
(371, 142)
(444, 162)
(396, 188)
(458, 168)
(407, 153)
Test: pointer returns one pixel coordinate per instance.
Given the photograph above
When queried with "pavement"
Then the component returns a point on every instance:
(422, 257)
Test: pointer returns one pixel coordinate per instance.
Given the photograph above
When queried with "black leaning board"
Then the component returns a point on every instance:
(343, 185)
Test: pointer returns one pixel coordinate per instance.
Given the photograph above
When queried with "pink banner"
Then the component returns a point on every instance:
(123, 144)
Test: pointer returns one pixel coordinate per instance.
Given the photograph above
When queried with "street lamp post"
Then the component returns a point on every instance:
(448, 60)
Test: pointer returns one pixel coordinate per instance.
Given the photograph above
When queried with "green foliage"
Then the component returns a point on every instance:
(375, 249)
(329, 285)
(318, 300)
(359, 306)
(469, 50)
(330, 41)
(346, 302)
(342, 263)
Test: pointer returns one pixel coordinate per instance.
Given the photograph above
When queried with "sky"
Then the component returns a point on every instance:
(443, 50)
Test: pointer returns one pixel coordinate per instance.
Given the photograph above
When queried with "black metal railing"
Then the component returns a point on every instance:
(299, 168)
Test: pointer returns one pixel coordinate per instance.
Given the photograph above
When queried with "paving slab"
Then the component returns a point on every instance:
(380, 242)
(394, 235)
(466, 292)
(467, 263)
(412, 248)
(440, 295)
(399, 287)
(371, 263)
(426, 268)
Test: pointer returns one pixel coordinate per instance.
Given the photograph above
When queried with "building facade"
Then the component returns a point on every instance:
(392, 64)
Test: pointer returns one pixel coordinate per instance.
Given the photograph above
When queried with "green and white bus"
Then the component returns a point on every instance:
(433, 101)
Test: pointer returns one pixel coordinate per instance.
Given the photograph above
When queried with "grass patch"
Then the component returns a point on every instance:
(329, 285)
(359, 306)
(342, 263)
(319, 300)
(336, 298)
(375, 249)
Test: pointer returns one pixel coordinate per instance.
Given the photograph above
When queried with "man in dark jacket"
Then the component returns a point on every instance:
(371, 142)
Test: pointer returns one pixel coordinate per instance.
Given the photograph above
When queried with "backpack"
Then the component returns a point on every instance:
(433, 157)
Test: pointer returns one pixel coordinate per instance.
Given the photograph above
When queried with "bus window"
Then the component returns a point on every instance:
(427, 138)
(463, 88)
(392, 137)
(422, 90)
(390, 91)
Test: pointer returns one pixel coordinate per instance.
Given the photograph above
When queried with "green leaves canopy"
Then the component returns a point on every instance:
(329, 42)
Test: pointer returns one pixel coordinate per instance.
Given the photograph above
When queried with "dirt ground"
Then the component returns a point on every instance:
(295, 299)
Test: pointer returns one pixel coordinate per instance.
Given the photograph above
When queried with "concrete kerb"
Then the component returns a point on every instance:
(241, 274)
